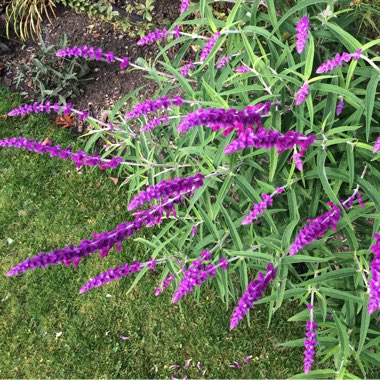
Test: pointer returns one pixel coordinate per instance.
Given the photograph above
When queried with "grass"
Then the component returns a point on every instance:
(48, 330)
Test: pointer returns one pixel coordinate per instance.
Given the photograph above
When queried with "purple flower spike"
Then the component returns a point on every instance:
(113, 274)
(164, 188)
(196, 274)
(79, 158)
(310, 342)
(209, 46)
(226, 119)
(253, 293)
(376, 146)
(89, 52)
(154, 123)
(124, 63)
(338, 61)
(264, 138)
(164, 284)
(258, 209)
(339, 107)
(301, 37)
(157, 35)
(194, 230)
(374, 285)
(184, 71)
(102, 242)
(185, 4)
(152, 106)
(351, 199)
(302, 94)
(316, 228)
(223, 61)
(243, 69)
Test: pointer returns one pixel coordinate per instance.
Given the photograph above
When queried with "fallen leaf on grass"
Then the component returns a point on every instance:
(46, 141)
(64, 121)
(114, 180)
(4, 117)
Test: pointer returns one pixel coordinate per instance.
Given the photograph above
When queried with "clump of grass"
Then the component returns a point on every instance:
(48, 330)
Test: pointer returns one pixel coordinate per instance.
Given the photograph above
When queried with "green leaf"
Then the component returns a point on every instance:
(346, 38)
(370, 101)
(364, 324)
(317, 374)
(309, 57)
(343, 339)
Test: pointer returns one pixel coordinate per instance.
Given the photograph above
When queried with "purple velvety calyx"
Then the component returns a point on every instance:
(165, 188)
(301, 37)
(152, 106)
(253, 293)
(79, 158)
(196, 274)
(226, 119)
(310, 342)
(374, 285)
(316, 228)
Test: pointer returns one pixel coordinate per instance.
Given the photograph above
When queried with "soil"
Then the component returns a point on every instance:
(109, 83)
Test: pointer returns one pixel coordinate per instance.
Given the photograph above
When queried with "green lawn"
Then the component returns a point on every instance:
(48, 330)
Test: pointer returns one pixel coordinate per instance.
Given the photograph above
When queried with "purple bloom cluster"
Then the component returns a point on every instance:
(102, 242)
(46, 107)
(301, 37)
(112, 274)
(351, 199)
(90, 52)
(227, 119)
(259, 208)
(185, 4)
(264, 138)
(338, 61)
(374, 285)
(339, 107)
(223, 61)
(253, 293)
(243, 69)
(152, 106)
(165, 188)
(376, 147)
(154, 123)
(185, 69)
(164, 284)
(157, 35)
(197, 273)
(309, 343)
(194, 230)
(302, 94)
(209, 46)
(316, 228)
(80, 158)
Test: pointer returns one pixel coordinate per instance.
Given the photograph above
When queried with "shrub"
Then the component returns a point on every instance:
(53, 77)
(281, 192)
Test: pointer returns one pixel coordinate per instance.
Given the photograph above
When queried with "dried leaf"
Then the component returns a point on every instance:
(114, 180)
(64, 121)
(4, 117)
(46, 141)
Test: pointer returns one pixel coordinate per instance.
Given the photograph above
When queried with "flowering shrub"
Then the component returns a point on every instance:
(276, 172)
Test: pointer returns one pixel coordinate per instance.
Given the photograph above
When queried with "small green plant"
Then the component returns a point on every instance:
(98, 8)
(25, 16)
(53, 77)
(142, 9)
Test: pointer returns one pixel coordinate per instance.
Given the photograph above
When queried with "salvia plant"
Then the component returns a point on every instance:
(259, 160)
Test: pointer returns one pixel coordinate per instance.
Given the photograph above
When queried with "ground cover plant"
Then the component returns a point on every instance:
(272, 138)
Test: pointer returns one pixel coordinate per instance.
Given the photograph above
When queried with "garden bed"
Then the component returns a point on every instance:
(106, 83)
